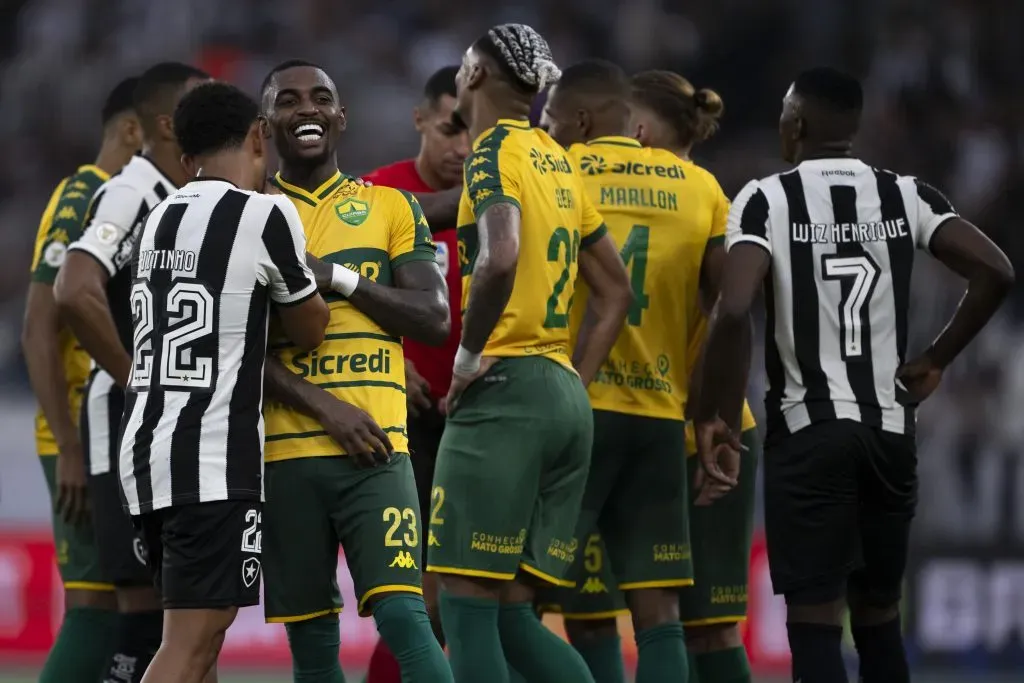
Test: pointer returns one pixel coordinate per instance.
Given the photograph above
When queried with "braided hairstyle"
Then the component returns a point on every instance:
(523, 56)
(693, 114)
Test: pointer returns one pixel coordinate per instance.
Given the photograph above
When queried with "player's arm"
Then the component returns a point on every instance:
(81, 287)
(304, 315)
(417, 306)
(601, 267)
(714, 253)
(965, 250)
(727, 347)
(441, 208)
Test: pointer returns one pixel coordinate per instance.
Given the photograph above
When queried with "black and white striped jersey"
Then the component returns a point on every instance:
(841, 236)
(112, 226)
(207, 263)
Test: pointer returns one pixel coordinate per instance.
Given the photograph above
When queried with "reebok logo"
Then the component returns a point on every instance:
(403, 560)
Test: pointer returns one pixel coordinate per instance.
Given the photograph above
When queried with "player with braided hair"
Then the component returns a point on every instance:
(512, 464)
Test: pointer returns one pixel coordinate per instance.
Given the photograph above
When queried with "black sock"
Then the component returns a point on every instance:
(817, 653)
(138, 639)
(882, 659)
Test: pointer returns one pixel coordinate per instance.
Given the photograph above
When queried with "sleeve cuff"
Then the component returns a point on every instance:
(479, 209)
(593, 237)
(716, 240)
(750, 239)
(928, 231)
(295, 299)
(419, 253)
(44, 274)
(102, 258)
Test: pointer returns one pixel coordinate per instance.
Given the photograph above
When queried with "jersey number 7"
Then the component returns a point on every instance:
(857, 277)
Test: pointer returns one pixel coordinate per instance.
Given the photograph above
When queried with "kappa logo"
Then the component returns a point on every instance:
(593, 586)
(593, 164)
(432, 540)
(403, 560)
(139, 548)
(250, 571)
(352, 211)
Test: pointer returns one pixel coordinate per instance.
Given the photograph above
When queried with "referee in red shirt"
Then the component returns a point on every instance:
(444, 145)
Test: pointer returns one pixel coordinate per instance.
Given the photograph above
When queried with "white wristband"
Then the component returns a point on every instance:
(343, 280)
(466, 362)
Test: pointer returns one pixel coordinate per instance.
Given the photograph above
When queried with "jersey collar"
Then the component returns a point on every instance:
(316, 196)
(95, 170)
(616, 140)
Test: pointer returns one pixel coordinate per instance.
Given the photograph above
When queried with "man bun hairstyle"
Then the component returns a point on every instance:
(523, 56)
(213, 117)
(693, 114)
(120, 100)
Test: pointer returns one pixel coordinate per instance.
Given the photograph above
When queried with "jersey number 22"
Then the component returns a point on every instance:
(189, 307)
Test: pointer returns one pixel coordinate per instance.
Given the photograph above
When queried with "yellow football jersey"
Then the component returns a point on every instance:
(62, 223)
(513, 162)
(663, 212)
(373, 231)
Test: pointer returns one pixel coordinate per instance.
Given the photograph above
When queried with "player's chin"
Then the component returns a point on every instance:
(305, 151)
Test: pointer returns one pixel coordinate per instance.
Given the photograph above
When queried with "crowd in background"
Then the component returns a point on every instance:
(943, 81)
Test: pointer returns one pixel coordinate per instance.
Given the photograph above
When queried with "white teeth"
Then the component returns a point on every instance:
(309, 132)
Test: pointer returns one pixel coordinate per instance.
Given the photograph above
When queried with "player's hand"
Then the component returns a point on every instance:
(323, 272)
(459, 383)
(355, 431)
(920, 377)
(72, 502)
(719, 450)
(417, 390)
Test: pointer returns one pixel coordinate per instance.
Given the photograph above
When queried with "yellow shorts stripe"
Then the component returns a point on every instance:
(546, 577)
(390, 588)
(716, 620)
(302, 617)
(476, 573)
(594, 616)
(88, 586)
(668, 583)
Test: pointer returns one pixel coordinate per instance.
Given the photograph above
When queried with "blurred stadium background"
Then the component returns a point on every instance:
(945, 102)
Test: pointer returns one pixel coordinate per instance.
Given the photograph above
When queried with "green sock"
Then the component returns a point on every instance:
(403, 623)
(474, 646)
(604, 658)
(724, 666)
(537, 653)
(694, 674)
(314, 644)
(661, 654)
(83, 646)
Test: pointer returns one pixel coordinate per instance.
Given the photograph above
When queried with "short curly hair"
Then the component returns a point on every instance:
(523, 56)
(213, 117)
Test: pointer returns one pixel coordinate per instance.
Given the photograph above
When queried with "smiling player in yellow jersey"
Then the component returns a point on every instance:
(58, 368)
(512, 463)
(338, 469)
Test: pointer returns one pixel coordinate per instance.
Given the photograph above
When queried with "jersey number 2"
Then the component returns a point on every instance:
(857, 275)
(190, 306)
(561, 242)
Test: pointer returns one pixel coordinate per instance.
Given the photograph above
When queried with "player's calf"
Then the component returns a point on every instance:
(878, 637)
(661, 648)
(404, 625)
(598, 642)
(814, 622)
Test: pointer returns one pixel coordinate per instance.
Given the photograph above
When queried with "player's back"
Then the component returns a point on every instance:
(663, 212)
(842, 237)
(515, 163)
(203, 275)
(372, 231)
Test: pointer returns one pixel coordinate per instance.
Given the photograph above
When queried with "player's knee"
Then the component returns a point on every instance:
(140, 632)
(713, 637)
(652, 607)
(584, 631)
(75, 598)
(132, 599)
(817, 604)
(872, 607)
(471, 587)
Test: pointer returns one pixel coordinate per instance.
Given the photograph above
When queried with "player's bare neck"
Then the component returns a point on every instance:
(829, 150)
(167, 159)
(113, 156)
(309, 177)
(230, 166)
(488, 111)
(428, 175)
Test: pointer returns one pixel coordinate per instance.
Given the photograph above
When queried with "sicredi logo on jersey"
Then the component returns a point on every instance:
(352, 211)
(545, 162)
(593, 164)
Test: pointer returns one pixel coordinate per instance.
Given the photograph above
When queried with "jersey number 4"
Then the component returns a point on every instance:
(188, 314)
(857, 277)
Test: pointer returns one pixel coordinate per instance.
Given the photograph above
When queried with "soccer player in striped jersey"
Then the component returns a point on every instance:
(380, 263)
(93, 294)
(58, 368)
(669, 214)
(833, 243)
(511, 469)
(444, 145)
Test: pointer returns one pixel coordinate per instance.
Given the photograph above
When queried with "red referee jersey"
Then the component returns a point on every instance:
(434, 363)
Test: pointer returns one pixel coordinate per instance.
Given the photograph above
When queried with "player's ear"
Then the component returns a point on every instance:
(264, 126)
(165, 126)
(188, 163)
(583, 122)
(343, 120)
(256, 138)
(476, 76)
(131, 131)
(417, 119)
